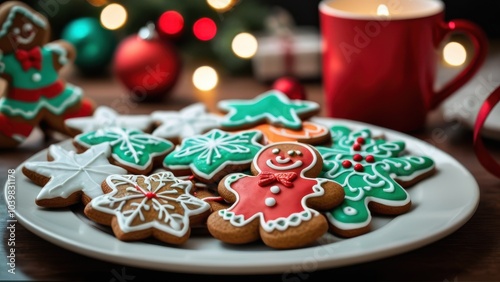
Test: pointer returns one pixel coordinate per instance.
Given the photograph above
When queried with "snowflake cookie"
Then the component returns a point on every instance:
(211, 156)
(132, 149)
(272, 107)
(374, 173)
(106, 117)
(70, 178)
(280, 203)
(137, 207)
(190, 121)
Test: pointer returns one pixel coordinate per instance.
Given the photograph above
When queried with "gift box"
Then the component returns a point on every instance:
(293, 53)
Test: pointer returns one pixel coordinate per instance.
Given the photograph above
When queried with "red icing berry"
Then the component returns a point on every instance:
(360, 140)
(150, 195)
(370, 159)
(359, 168)
(346, 164)
(357, 157)
(356, 147)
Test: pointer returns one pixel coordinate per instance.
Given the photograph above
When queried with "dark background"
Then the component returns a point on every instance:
(485, 13)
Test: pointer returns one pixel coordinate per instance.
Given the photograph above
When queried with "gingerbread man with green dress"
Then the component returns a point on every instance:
(35, 95)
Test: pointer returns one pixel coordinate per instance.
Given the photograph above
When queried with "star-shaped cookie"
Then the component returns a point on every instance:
(272, 107)
(137, 207)
(71, 178)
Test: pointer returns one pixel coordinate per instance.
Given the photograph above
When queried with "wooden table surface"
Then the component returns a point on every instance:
(472, 253)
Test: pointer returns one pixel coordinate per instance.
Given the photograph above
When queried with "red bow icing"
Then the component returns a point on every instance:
(30, 59)
(285, 178)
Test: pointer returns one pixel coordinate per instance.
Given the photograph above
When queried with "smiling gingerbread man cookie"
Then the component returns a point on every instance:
(35, 94)
(280, 202)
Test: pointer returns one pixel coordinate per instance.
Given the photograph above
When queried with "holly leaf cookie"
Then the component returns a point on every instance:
(190, 121)
(211, 156)
(106, 117)
(280, 202)
(272, 107)
(132, 149)
(137, 207)
(374, 174)
(70, 178)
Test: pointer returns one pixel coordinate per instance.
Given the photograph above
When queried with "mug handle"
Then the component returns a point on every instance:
(480, 42)
(482, 154)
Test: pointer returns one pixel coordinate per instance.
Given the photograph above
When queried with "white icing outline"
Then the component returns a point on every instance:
(70, 172)
(174, 224)
(25, 12)
(281, 223)
(43, 103)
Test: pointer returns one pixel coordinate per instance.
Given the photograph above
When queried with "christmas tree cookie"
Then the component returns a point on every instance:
(374, 174)
(132, 149)
(35, 93)
(272, 107)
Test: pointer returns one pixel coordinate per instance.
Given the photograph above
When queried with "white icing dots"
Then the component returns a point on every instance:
(350, 211)
(270, 202)
(276, 150)
(36, 77)
(275, 189)
(291, 153)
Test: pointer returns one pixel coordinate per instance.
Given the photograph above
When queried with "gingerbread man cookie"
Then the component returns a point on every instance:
(374, 174)
(280, 203)
(35, 93)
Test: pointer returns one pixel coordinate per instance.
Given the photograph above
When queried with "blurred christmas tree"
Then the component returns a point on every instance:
(202, 30)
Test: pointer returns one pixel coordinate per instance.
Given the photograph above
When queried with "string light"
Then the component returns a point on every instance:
(97, 3)
(205, 78)
(220, 5)
(204, 29)
(113, 16)
(171, 23)
(454, 54)
(244, 45)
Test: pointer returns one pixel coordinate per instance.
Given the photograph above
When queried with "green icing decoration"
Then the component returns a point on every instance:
(23, 79)
(379, 163)
(211, 152)
(57, 105)
(130, 147)
(272, 106)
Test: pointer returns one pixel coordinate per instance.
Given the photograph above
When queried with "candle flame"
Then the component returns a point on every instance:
(382, 10)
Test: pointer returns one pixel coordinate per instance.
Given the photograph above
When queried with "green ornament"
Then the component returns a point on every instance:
(94, 44)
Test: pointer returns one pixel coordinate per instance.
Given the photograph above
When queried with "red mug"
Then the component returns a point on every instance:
(380, 59)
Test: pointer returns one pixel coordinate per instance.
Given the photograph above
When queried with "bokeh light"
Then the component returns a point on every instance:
(97, 3)
(205, 78)
(454, 54)
(171, 23)
(204, 29)
(113, 16)
(220, 5)
(244, 45)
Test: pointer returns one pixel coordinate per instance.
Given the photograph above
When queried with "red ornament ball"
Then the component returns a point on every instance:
(291, 87)
(147, 67)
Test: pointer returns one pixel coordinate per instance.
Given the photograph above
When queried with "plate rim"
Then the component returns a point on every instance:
(284, 260)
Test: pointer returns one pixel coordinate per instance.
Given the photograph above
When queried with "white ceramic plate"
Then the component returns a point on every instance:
(442, 204)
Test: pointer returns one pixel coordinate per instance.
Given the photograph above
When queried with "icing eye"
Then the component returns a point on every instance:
(16, 31)
(291, 152)
(276, 150)
(299, 153)
(27, 27)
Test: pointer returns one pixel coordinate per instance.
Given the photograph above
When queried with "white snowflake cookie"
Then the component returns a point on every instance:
(70, 178)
